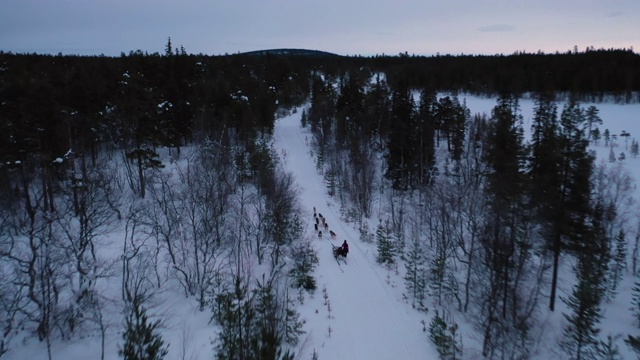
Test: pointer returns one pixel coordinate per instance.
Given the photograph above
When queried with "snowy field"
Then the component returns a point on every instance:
(359, 310)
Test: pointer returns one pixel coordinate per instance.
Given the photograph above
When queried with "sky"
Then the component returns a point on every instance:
(346, 27)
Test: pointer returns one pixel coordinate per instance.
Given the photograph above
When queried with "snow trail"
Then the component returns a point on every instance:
(369, 319)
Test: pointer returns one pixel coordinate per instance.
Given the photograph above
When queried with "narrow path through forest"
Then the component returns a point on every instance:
(369, 319)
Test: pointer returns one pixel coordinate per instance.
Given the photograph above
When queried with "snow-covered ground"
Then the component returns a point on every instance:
(358, 310)
(368, 317)
(617, 318)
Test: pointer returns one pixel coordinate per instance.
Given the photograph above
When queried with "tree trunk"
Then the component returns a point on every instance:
(141, 174)
(554, 277)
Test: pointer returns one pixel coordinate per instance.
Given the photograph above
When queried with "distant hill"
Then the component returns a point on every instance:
(291, 52)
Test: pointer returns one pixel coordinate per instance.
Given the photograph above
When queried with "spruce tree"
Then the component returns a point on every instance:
(303, 118)
(505, 244)
(331, 180)
(634, 341)
(609, 349)
(267, 332)
(414, 276)
(612, 156)
(634, 148)
(593, 120)
(635, 302)
(234, 313)
(141, 338)
(445, 338)
(438, 276)
(402, 142)
(560, 171)
(606, 136)
(618, 263)
(426, 136)
(595, 136)
(580, 339)
(458, 130)
(385, 245)
(305, 260)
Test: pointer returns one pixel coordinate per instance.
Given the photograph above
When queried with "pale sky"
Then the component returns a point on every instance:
(346, 27)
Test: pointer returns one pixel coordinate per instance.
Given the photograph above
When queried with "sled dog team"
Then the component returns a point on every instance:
(321, 223)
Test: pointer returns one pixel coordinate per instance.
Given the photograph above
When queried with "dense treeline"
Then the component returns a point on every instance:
(63, 94)
(480, 217)
(590, 75)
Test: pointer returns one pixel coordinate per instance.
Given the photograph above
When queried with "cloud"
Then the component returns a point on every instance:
(497, 28)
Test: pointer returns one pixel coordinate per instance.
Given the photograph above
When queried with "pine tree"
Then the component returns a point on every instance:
(634, 148)
(505, 243)
(560, 172)
(593, 120)
(320, 159)
(331, 180)
(609, 349)
(635, 302)
(141, 338)
(269, 326)
(625, 135)
(618, 264)
(168, 49)
(426, 136)
(445, 338)
(385, 245)
(580, 339)
(612, 156)
(256, 324)
(606, 136)
(365, 235)
(305, 260)
(458, 130)
(414, 276)
(235, 315)
(595, 136)
(303, 118)
(402, 142)
(634, 341)
(438, 276)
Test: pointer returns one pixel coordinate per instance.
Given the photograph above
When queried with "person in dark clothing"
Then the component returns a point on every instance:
(343, 250)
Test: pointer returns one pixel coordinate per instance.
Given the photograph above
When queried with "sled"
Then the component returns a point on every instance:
(337, 256)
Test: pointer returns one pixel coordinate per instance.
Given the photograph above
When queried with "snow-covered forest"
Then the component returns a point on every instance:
(169, 207)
